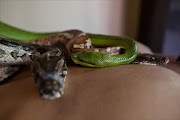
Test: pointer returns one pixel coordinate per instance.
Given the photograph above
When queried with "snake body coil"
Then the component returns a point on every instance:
(47, 54)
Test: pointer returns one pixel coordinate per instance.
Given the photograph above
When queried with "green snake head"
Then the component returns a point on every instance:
(88, 58)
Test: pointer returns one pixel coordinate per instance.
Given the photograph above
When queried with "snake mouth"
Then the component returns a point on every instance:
(50, 89)
(52, 95)
(75, 57)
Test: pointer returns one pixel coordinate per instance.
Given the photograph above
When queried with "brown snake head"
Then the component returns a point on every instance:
(149, 59)
(49, 71)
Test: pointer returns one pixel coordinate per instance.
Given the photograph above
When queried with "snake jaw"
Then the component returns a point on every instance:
(76, 58)
(50, 86)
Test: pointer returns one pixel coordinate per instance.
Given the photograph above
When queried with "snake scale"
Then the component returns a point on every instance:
(47, 55)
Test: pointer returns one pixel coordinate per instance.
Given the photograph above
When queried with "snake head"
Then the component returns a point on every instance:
(149, 59)
(90, 59)
(49, 71)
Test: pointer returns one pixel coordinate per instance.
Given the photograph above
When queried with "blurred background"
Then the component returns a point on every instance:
(152, 22)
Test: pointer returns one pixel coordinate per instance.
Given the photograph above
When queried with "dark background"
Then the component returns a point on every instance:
(159, 26)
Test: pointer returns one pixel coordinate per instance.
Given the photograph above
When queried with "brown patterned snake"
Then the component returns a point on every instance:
(47, 58)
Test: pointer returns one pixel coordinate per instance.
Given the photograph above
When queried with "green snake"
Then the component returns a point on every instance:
(83, 57)
(47, 52)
